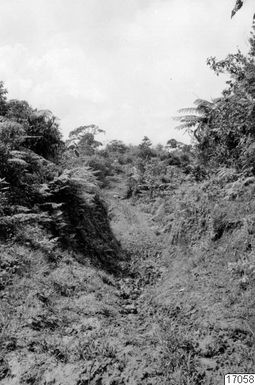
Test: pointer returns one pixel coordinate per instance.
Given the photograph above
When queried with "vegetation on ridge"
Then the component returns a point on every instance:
(129, 264)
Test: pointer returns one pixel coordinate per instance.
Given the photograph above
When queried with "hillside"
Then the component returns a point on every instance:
(130, 264)
(179, 308)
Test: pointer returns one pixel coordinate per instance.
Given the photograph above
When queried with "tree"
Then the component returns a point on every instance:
(172, 143)
(3, 99)
(41, 130)
(12, 134)
(145, 150)
(19, 111)
(116, 147)
(225, 128)
(82, 139)
(146, 142)
(196, 119)
(44, 136)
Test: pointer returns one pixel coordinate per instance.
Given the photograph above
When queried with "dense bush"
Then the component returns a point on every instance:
(35, 188)
(224, 128)
(102, 167)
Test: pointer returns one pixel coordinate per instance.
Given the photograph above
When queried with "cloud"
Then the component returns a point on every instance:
(126, 66)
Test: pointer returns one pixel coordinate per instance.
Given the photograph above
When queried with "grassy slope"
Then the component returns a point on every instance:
(208, 289)
(179, 311)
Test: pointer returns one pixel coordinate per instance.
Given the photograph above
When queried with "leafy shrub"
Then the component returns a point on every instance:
(78, 216)
(101, 166)
(36, 190)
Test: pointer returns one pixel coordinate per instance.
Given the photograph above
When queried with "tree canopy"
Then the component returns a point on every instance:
(224, 128)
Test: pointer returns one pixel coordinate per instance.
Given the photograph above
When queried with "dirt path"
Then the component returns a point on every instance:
(166, 318)
(136, 328)
(74, 324)
(175, 327)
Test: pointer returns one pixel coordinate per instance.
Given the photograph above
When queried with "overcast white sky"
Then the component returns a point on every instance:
(125, 65)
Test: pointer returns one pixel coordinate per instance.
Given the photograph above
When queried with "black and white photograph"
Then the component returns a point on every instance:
(127, 192)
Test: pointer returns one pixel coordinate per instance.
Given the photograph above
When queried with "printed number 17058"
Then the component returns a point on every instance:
(239, 379)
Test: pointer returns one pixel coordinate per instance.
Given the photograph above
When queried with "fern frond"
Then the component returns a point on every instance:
(44, 190)
(191, 119)
(18, 154)
(18, 161)
(3, 182)
(23, 218)
(185, 126)
(178, 118)
(190, 110)
(203, 102)
(3, 119)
